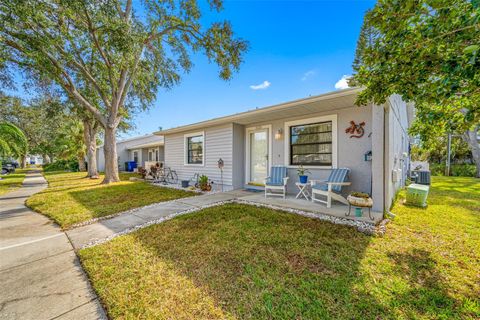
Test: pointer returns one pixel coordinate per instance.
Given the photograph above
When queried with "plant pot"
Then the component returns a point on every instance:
(185, 183)
(303, 179)
(360, 202)
(358, 212)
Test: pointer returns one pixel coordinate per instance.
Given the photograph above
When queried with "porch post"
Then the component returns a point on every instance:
(377, 157)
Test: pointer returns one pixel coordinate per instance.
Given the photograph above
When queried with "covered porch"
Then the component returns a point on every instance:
(338, 210)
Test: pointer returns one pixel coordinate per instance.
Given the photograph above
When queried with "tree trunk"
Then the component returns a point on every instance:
(110, 151)
(23, 161)
(471, 138)
(46, 159)
(81, 162)
(90, 137)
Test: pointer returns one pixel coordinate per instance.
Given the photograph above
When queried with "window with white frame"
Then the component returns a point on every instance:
(311, 142)
(194, 148)
(152, 154)
(135, 156)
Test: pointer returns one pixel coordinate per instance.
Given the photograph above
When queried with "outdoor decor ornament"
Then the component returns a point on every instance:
(356, 128)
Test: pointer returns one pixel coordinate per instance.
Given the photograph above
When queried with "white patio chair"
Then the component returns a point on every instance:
(276, 181)
(332, 187)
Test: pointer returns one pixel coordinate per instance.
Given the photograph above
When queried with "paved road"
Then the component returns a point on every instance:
(40, 275)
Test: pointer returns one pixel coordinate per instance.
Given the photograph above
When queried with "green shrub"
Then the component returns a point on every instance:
(62, 165)
(456, 170)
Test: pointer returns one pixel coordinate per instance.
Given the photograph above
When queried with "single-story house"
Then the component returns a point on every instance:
(142, 150)
(319, 132)
(34, 159)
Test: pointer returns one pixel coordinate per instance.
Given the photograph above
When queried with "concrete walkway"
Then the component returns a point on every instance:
(84, 235)
(40, 275)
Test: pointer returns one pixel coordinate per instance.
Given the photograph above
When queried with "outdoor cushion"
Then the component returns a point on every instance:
(274, 184)
(277, 175)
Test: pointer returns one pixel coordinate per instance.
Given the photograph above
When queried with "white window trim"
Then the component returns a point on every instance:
(247, 146)
(152, 150)
(139, 155)
(185, 149)
(289, 124)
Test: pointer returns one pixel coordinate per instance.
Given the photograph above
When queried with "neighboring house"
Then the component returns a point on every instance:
(309, 132)
(34, 159)
(148, 148)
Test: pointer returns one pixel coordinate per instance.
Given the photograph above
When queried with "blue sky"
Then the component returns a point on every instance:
(297, 49)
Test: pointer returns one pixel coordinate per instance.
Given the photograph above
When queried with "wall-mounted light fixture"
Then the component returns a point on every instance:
(279, 134)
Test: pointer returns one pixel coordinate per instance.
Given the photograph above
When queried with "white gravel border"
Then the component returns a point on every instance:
(179, 187)
(362, 226)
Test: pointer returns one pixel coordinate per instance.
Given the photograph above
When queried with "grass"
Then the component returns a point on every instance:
(12, 181)
(71, 198)
(243, 262)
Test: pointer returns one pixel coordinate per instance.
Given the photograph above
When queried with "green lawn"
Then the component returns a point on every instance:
(12, 181)
(243, 262)
(71, 198)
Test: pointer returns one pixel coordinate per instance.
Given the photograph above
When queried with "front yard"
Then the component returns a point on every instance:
(71, 198)
(10, 182)
(242, 262)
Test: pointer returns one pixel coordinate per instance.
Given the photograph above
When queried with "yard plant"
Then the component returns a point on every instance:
(244, 262)
(71, 197)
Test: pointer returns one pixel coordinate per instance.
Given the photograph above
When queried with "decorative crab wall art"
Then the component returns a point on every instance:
(356, 130)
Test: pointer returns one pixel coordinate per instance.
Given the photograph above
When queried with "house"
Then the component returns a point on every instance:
(319, 132)
(34, 159)
(142, 150)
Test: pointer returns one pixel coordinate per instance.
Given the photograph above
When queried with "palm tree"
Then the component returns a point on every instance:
(12, 140)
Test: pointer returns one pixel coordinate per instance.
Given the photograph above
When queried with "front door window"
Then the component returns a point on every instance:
(258, 156)
(135, 156)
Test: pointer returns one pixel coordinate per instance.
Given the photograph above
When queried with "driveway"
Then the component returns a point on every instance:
(40, 275)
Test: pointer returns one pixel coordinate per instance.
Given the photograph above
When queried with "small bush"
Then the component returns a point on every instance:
(456, 170)
(62, 165)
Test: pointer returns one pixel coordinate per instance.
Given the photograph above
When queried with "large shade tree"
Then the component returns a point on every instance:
(41, 119)
(428, 51)
(121, 52)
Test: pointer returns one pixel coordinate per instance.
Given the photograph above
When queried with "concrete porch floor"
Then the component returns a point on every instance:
(338, 209)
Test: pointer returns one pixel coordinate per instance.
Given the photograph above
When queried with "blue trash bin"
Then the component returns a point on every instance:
(131, 165)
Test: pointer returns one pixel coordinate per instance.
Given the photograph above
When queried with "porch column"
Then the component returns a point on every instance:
(377, 157)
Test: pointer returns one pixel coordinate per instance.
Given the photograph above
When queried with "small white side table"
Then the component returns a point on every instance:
(303, 187)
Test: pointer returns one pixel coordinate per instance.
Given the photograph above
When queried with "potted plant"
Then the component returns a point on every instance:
(360, 199)
(204, 184)
(301, 171)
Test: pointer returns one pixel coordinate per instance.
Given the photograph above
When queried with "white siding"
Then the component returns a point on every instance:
(238, 175)
(123, 154)
(397, 143)
(218, 143)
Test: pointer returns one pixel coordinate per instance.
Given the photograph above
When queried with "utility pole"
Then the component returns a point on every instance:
(449, 151)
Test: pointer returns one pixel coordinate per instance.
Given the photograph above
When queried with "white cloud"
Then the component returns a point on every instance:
(264, 85)
(342, 83)
(308, 74)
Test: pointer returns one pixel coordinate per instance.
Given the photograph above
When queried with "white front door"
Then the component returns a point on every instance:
(258, 156)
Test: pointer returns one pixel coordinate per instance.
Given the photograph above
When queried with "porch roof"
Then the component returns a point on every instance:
(328, 101)
(147, 145)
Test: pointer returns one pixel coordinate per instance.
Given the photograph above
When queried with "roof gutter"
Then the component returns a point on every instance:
(237, 116)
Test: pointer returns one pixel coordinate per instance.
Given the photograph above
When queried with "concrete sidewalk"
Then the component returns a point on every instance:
(40, 274)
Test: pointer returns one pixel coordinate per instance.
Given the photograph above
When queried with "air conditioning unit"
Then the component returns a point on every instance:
(396, 175)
